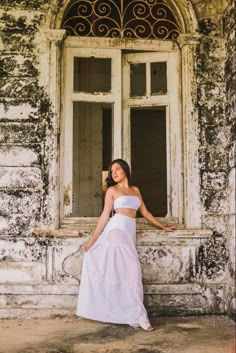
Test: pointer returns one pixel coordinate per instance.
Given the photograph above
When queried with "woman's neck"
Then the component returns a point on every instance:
(123, 184)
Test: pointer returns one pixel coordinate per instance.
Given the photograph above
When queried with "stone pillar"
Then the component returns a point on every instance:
(192, 203)
(53, 50)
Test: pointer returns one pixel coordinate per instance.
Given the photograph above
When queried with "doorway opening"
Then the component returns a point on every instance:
(92, 151)
(148, 156)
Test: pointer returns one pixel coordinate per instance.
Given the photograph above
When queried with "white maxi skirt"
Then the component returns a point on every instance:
(111, 287)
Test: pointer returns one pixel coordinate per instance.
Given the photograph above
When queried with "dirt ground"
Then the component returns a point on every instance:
(206, 334)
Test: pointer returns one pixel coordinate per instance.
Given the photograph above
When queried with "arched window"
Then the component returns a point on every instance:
(140, 19)
(122, 99)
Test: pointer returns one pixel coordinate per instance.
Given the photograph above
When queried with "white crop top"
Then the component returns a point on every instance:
(127, 201)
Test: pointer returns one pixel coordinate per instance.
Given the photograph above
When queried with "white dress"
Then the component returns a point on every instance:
(111, 287)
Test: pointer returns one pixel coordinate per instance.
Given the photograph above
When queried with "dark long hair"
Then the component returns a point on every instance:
(124, 165)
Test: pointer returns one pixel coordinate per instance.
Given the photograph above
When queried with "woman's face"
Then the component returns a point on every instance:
(117, 173)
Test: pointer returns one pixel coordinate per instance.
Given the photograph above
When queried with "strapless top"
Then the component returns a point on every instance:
(127, 201)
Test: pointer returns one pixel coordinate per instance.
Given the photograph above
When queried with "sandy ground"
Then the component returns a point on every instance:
(208, 334)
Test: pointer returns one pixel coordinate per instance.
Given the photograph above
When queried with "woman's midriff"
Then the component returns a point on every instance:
(126, 212)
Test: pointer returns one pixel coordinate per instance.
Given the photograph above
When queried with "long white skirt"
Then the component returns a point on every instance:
(111, 283)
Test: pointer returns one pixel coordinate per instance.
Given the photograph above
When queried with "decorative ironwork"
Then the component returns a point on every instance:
(121, 19)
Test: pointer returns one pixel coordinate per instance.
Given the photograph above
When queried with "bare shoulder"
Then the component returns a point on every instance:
(111, 191)
(135, 189)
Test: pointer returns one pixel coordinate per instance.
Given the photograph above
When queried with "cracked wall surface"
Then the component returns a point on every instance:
(29, 150)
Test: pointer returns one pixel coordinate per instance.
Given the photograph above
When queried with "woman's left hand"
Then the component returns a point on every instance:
(170, 229)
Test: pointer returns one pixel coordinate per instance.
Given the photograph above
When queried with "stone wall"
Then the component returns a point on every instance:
(27, 129)
(210, 104)
(36, 267)
(215, 103)
(230, 115)
(183, 273)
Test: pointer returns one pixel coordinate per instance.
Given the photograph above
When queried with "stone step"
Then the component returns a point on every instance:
(63, 289)
(23, 313)
(168, 299)
(42, 275)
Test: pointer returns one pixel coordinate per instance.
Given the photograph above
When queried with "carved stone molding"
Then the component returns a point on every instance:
(55, 35)
(188, 39)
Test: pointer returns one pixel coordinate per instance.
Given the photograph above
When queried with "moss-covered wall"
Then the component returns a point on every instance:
(26, 119)
(213, 127)
(230, 115)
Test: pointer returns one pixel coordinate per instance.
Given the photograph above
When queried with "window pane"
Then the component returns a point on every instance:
(158, 78)
(138, 79)
(92, 75)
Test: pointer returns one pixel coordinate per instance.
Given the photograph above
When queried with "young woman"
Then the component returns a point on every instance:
(111, 283)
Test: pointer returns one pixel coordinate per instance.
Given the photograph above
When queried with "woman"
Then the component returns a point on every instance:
(111, 284)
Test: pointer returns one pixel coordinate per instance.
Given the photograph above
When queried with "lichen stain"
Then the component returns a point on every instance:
(18, 33)
(19, 201)
(22, 133)
(39, 99)
(212, 258)
(206, 26)
(67, 190)
(31, 252)
(210, 104)
(22, 4)
(18, 66)
(19, 84)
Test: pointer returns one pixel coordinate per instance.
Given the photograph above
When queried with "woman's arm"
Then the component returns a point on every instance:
(103, 219)
(146, 214)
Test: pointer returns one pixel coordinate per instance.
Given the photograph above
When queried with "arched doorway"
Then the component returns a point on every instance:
(122, 99)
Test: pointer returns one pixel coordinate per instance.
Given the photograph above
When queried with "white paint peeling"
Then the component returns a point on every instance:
(21, 177)
(18, 156)
(19, 112)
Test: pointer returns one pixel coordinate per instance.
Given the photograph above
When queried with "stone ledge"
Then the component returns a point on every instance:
(91, 222)
(28, 313)
(72, 289)
(38, 289)
(151, 234)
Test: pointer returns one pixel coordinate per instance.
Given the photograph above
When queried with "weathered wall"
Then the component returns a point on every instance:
(213, 127)
(41, 273)
(38, 269)
(26, 120)
(215, 103)
(230, 115)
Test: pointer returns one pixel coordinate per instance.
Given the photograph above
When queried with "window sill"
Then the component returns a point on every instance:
(146, 232)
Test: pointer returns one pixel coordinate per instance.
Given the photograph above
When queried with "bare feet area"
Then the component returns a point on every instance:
(206, 334)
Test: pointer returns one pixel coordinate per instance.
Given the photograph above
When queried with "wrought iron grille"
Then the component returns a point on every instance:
(121, 19)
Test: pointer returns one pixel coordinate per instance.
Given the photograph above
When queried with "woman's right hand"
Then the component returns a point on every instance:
(88, 245)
